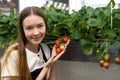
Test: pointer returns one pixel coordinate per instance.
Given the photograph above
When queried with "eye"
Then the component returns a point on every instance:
(40, 25)
(29, 27)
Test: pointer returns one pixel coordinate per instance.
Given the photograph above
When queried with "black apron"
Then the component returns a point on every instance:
(35, 73)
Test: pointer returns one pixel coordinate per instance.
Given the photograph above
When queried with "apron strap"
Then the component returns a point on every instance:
(44, 57)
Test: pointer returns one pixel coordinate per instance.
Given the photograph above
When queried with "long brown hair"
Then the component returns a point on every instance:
(22, 67)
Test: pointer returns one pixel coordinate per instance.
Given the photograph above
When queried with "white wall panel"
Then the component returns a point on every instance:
(25, 3)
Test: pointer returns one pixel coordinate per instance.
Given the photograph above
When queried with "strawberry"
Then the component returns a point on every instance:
(58, 50)
(101, 63)
(107, 58)
(64, 39)
(117, 60)
(106, 65)
(57, 42)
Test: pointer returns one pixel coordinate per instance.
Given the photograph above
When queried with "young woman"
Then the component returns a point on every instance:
(28, 58)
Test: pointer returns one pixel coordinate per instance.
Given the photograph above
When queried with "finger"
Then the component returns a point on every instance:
(49, 62)
(67, 43)
(59, 55)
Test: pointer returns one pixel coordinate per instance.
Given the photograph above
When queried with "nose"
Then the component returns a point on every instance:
(35, 31)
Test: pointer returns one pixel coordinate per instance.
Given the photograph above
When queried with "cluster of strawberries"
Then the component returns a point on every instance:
(106, 59)
(60, 44)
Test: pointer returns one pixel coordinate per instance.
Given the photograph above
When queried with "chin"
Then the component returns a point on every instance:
(36, 42)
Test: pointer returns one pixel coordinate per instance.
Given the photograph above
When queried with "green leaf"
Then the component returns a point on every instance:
(92, 22)
(5, 19)
(117, 16)
(107, 12)
(110, 33)
(87, 47)
(75, 35)
(114, 44)
(3, 32)
(89, 12)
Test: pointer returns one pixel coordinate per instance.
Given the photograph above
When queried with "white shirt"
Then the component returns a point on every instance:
(34, 61)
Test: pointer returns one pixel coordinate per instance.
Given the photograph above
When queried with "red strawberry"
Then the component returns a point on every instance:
(58, 50)
(57, 42)
(117, 60)
(106, 65)
(101, 63)
(107, 58)
(64, 39)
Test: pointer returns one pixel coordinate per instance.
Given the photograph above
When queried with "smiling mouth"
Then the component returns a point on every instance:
(36, 39)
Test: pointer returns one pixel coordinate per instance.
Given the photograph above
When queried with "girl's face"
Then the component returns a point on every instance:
(34, 28)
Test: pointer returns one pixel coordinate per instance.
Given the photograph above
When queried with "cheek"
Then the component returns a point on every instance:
(27, 33)
(43, 30)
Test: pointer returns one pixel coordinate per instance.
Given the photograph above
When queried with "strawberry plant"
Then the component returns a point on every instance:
(8, 29)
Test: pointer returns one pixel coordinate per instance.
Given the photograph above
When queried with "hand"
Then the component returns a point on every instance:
(55, 56)
(62, 47)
